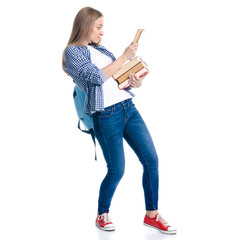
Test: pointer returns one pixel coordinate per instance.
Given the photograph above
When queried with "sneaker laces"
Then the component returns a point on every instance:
(105, 218)
(160, 219)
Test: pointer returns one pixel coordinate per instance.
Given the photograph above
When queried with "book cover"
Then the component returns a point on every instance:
(140, 73)
(133, 66)
(134, 69)
(126, 67)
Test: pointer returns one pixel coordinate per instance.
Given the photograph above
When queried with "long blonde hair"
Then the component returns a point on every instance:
(81, 28)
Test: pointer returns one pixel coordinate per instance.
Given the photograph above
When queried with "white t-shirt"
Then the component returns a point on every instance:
(111, 93)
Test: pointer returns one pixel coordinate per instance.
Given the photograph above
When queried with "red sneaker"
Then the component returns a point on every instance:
(103, 222)
(160, 224)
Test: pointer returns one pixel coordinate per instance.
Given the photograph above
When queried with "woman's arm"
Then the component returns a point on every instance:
(117, 64)
(80, 67)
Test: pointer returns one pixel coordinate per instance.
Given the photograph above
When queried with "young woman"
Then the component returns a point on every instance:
(114, 114)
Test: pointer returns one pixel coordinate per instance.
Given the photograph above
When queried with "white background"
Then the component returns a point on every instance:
(190, 101)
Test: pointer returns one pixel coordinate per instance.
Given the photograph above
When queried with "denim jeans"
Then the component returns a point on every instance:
(115, 123)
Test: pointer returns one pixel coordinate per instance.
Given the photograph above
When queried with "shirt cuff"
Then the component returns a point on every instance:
(102, 75)
(128, 88)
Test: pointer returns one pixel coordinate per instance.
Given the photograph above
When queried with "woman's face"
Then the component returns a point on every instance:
(96, 31)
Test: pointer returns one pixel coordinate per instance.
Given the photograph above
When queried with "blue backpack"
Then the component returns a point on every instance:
(79, 98)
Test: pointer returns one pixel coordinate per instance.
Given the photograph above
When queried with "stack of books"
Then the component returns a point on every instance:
(136, 65)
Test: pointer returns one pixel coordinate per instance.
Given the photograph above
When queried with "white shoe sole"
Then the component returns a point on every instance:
(106, 229)
(162, 231)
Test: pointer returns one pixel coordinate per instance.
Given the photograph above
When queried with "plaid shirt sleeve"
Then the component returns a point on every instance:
(79, 66)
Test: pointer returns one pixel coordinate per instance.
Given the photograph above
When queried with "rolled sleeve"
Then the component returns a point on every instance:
(80, 67)
(102, 75)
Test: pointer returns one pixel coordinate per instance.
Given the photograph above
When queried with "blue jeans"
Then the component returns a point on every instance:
(116, 122)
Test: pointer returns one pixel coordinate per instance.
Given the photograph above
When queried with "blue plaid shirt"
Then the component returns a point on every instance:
(87, 76)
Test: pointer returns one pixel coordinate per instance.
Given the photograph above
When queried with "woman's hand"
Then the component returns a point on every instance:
(136, 82)
(118, 63)
(130, 51)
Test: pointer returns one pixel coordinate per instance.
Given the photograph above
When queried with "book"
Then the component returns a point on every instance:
(138, 34)
(140, 73)
(136, 65)
(134, 69)
(125, 67)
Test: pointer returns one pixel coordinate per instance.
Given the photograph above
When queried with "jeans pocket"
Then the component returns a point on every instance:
(107, 112)
(132, 105)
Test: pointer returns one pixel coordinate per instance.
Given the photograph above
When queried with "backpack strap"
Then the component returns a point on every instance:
(90, 131)
(79, 98)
